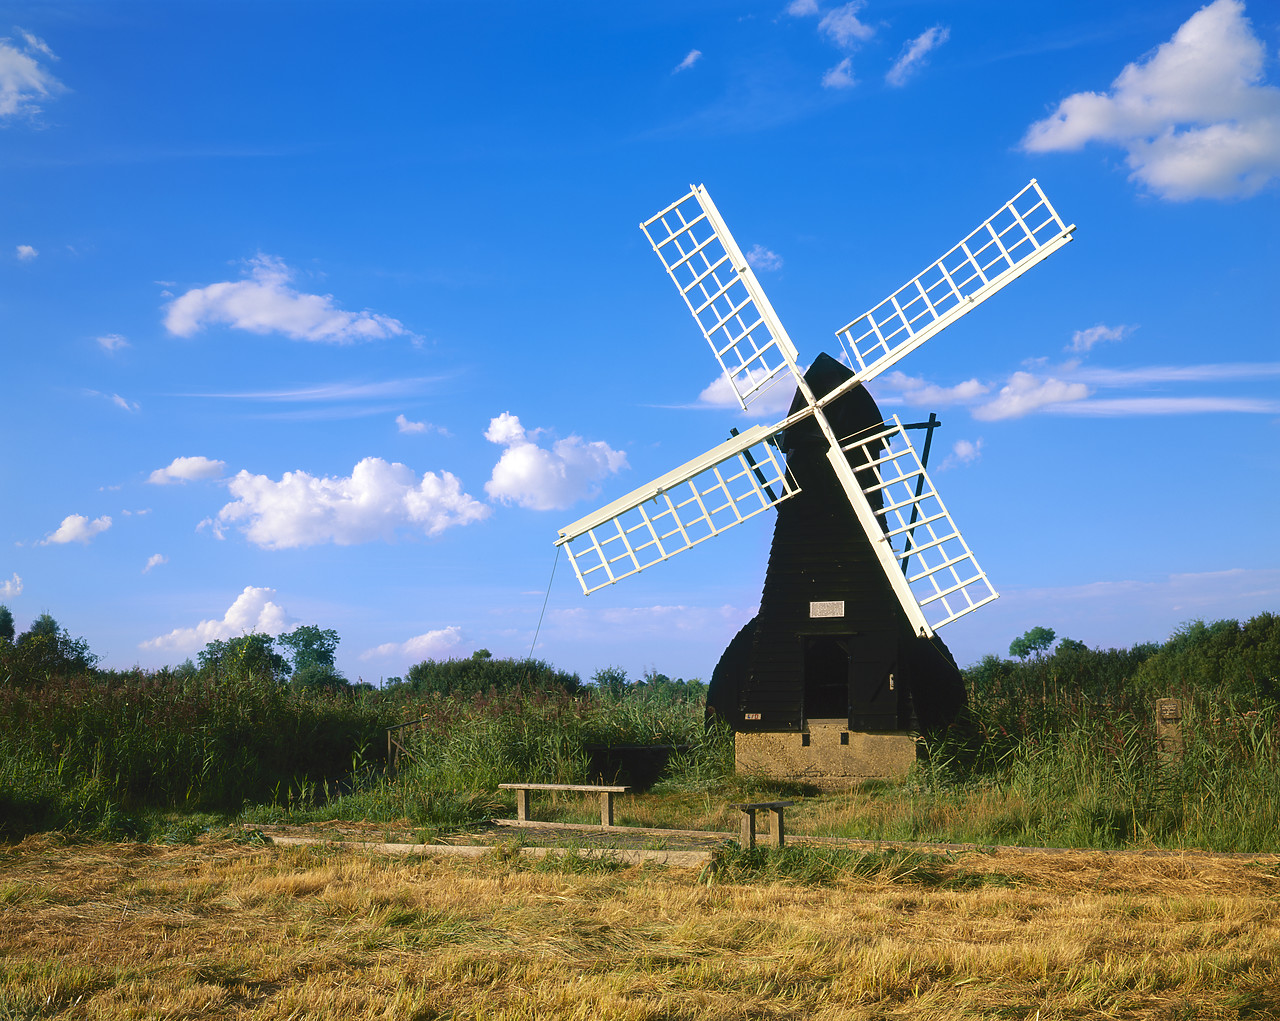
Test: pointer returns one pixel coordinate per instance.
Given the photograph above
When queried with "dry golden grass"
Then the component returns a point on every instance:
(226, 930)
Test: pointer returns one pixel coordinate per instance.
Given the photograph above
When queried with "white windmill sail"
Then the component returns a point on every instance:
(1021, 233)
(939, 568)
(722, 292)
(710, 494)
(926, 560)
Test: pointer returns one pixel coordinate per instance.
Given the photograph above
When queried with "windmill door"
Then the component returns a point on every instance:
(873, 688)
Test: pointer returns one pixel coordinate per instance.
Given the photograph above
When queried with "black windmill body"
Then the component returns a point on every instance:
(866, 561)
(797, 660)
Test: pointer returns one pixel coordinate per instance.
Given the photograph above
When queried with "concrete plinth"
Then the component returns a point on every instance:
(827, 755)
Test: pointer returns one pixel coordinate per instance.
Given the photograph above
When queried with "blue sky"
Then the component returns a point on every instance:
(334, 313)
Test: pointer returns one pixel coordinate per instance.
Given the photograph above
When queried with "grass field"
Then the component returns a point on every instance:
(111, 930)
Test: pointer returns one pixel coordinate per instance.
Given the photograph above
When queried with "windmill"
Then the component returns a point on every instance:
(875, 492)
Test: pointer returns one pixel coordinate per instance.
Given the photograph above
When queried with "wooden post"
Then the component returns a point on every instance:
(522, 804)
(1169, 729)
(775, 837)
(747, 834)
(606, 808)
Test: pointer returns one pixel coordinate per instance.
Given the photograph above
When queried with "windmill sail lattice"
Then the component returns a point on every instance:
(722, 292)
(724, 487)
(926, 561)
(1021, 233)
(941, 571)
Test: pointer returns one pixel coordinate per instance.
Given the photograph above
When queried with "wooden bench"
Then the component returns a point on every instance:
(747, 833)
(606, 796)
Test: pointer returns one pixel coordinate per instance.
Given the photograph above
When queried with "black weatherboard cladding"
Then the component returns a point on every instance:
(786, 666)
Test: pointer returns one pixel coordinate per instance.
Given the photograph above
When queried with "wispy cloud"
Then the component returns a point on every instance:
(914, 54)
(26, 253)
(340, 391)
(266, 302)
(843, 26)
(762, 258)
(111, 342)
(25, 81)
(155, 560)
(120, 402)
(1083, 341)
(1194, 119)
(1111, 407)
(964, 452)
(1025, 393)
(691, 58)
(1210, 373)
(840, 76)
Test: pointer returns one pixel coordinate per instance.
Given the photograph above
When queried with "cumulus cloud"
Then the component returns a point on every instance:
(1082, 341)
(406, 426)
(843, 27)
(1195, 118)
(155, 560)
(76, 528)
(187, 469)
(25, 82)
(691, 58)
(763, 259)
(373, 502)
(253, 611)
(547, 478)
(11, 588)
(840, 76)
(112, 342)
(431, 645)
(1025, 393)
(265, 302)
(914, 53)
(26, 253)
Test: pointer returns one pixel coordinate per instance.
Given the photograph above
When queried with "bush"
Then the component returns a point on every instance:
(481, 674)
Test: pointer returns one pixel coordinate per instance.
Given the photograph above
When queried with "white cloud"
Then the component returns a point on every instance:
(763, 259)
(1025, 393)
(1195, 118)
(840, 76)
(1178, 373)
(964, 452)
(24, 82)
(916, 391)
(373, 502)
(1082, 341)
(11, 588)
(775, 399)
(431, 645)
(843, 27)
(187, 469)
(253, 611)
(26, 253)
(112, 342)
(543, 478)
(691, 58)
(155, 560)
(802, 8)
(124, 402)
(266, 303)
(1118, 406)
(76, 528)
(407, 426)
(914, 52)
